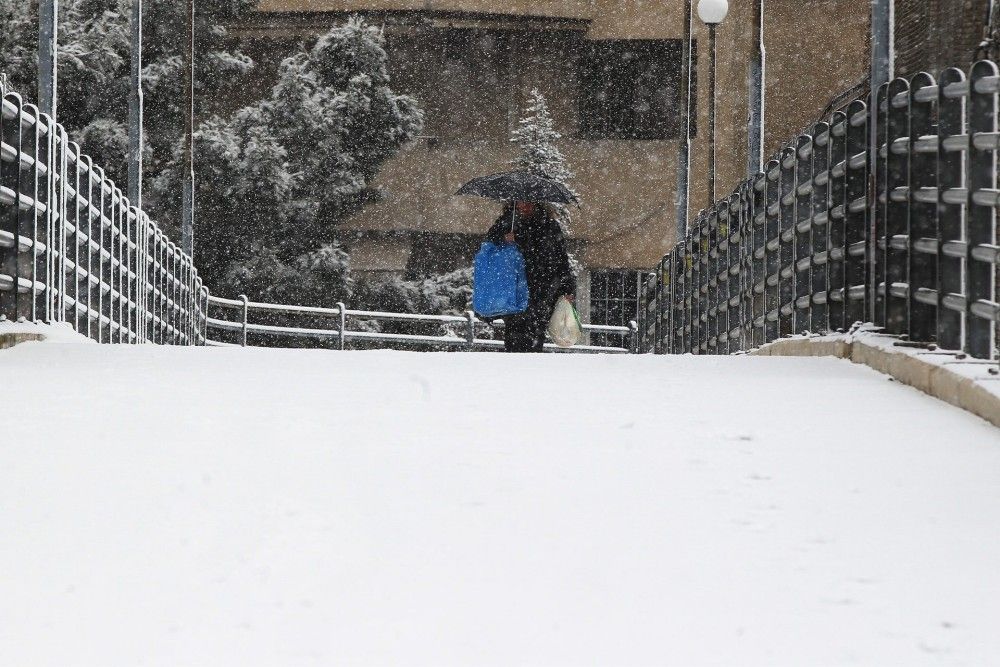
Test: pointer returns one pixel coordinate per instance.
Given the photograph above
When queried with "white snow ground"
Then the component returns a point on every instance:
(228, 507)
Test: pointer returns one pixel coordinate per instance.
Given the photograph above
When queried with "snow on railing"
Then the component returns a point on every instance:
(885, 216)
(241, 328)
(73, 248)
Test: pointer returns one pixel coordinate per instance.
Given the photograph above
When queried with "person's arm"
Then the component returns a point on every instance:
(567, 282)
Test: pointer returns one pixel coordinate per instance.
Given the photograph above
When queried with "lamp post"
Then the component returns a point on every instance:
(48, 48)
(755, 122)
(187, 205)
(684, 149)
(135, 130)
(712, 12)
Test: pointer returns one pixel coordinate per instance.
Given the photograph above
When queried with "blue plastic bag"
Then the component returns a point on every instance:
(499, 283)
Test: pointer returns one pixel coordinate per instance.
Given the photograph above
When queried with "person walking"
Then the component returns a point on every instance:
(538, 236)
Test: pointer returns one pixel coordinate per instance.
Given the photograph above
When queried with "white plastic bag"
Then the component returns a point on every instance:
(564, 327)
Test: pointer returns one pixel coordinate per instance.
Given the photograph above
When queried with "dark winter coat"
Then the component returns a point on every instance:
(546, 260)
(546, 263)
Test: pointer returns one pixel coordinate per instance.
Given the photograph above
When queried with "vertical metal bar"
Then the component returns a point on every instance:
(950, 168)
(759, 261)
(39, 232)
(342, 331)
(10, 177)
(880, 200)
(681, 297)
(62, 232)
(756, 77)
(786, 239)
(104, 259)
(688, 105)
(881, 42)
(711, 114)
(135, 110)
(188, 203)
(48, 49)
(856, 232)
(712, 222)
(93, 245)
(772, 250)
(981, 277)
(73, 180)
(701, 286)
(470, 329)
(923, 215)
(836, 291)
(802, 318)
(732, 268)
(897, 209)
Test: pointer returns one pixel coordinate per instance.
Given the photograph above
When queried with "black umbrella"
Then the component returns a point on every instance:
(518, 185)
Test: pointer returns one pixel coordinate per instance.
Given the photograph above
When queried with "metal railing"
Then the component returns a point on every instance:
(886, 217)
(73, 249)
(340, 334)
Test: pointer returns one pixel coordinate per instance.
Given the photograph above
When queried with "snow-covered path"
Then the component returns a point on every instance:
(210, 507)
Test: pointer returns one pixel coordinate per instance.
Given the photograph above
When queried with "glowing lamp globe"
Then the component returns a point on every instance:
(713, 11)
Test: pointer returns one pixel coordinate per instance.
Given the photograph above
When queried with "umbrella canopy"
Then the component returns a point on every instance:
(518, 185)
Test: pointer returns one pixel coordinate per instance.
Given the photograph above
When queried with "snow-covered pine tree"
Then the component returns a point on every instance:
(536, 138)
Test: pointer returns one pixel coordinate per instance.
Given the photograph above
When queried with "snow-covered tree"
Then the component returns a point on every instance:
(536, 138)
(281, 173)
(94, 66)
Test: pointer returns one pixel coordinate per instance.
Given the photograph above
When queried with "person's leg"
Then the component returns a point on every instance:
(517, 333)
(541, 316)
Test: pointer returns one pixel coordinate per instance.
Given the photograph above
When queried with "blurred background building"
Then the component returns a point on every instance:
(610, 70)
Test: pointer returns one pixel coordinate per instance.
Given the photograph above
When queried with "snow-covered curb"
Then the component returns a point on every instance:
(12, 333)
(970, 384)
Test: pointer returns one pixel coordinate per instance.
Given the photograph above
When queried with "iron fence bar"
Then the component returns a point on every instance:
(836, 238)
(879, 201)
(897, 261)
(802, 244)
(980, 276)
(772, 251)
(923, 213)
(951, 213)
(786, 241)
(758, 264)
(856, 216)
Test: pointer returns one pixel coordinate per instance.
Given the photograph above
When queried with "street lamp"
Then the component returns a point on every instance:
(755, 126)
(187, 203)
(712, 12)
(135, 111)
(48, 49)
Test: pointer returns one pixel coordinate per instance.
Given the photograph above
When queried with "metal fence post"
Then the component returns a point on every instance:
(786, 241)
(897, 210)
(836, 291)
(856, 232)
(951, 208)
(880, 200)
(819, 320)
(772, 250)
(923, 211)
(981, 236)
(342, 332)
(246, 318)
(803, 234)
(470, 332)
(758, 281)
